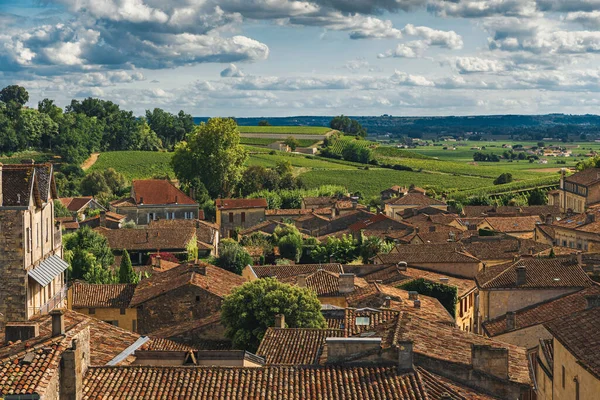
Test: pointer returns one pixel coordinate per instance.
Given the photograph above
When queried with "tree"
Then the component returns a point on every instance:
(147, 138)
(251, 308)
(537, 197)
(94, 183)
(60, 210)
(371, 246)
(348, 126)
(87, 250)
(14, 96)
(213, 155)
(289, 240)
(505, 177)
(170, 128)
(292, 142)
(263, 122)
(342, 250)
(357, 153)
(126, 272)
(252, 180)
(232, 256)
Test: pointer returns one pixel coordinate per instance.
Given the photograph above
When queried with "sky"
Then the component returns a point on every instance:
(253, 58)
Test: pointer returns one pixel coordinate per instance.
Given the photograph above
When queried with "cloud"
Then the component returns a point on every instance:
(371, 6)
(483, 8)
(413, 49)
(589, 19)
(232, 71)
(568, 5)
(433, 37)
(466, 65)
(359, 26)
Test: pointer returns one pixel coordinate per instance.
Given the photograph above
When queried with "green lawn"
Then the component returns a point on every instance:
(291, 130)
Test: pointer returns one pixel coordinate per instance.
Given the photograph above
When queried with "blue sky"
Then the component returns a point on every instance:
(296, 57)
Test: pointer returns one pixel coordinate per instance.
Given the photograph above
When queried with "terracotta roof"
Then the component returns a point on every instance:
(20, 181)
(586, 177)
(502, 248)
(161, 344)
(463, 285)
(149, 238)
(74, 204)
(285, 272)
(373, 296)
(212, 279)
(327, 284)
(373, 220)
(158, 192)
(296, 346)
(540, 274)
(297, 212)
(547, 230)
(281, 382)
(116, 295)
(232, 204)
(346, 319)
(588, 222)
(267, 227)
(543, 312)
(578, 332)
(428, 253)
(184, 327)
(319, 202)
(126, 202)
(542, 211)
(415, 199)
(514, 224)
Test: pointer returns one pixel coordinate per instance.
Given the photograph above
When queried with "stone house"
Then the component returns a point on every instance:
(577, 192)
(188, 292)
(500, 249)
(394, 191)
(578, 231)
(331, 288)
(239, 214)
(153, 199)
(107, 219)
(78, 206)
(380, 226)
(108, 302)
(520, 227)
(31, 265)
(395, 207)
(525, 282)
(567, 365)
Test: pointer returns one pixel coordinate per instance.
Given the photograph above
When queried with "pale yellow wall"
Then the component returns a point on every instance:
(544, 384)
(528, 338)
(572, 238)
(468, 320)
(589, 385)
(334, 301)
(113, 314)
(248, 274)
(495, 303)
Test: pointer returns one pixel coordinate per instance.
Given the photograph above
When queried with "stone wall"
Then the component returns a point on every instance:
(140, 214)
(253, 216)
(495, 303)
(180, 305)
(13, 296)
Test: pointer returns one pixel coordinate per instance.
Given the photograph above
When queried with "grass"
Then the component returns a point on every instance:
(291, 130)
(37, 156)
(267, 141)
(270, 161)
(136, 164)
(338, 145)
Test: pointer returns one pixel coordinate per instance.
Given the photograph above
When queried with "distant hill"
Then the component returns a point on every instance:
(534, 126)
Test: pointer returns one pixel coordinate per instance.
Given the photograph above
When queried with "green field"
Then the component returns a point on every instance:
(298, 161)
(267, 141)
(339, 144)
(136, 164)
(16, 158)
(285, 130)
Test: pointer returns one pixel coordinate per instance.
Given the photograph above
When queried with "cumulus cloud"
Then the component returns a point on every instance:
(232, 71)
(412, 49)
(466, 65)
(590, 19)
(483, 8)
(568, 5)
(434, 37)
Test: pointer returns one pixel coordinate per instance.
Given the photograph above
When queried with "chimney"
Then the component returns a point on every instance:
(157, 259)
(549, 219)
(412, 295)
(445, 396)
(346, 283)
(58, 322)
(387, 302)
(401, 266)
(521, 275)
(511, 320)
(14, 331)
(301, 280)
(147, 236)
(176, 199)
(102, 218)
(579, 258)
(279, 321)
(445, 281)
(417, 303)
(73, 367)
(201, 269)
(405, 355)
(141, 200)
(592, 301)
(490, 360)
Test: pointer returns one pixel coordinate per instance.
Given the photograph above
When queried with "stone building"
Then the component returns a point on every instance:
(153, 199)
(577, 192)
(32, 271)
(187, 292)
(239, 214)
(579, 231)
(395, 206)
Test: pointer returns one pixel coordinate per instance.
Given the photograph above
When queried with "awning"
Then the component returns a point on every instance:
(48, 269)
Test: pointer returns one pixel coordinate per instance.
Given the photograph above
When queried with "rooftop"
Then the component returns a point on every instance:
(75, 204)
(428, 253)
(158, 192)
(285, 272)
(232, 204)
(514, 224)
(586, 177)
(21, 181)
(149, 238)
(415, 199)
(327, 283)
(87, 295)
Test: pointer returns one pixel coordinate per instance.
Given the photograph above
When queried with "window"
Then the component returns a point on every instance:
(122, 310)
(92, 311)
(363, 321)
(38, 234)
(28, 240)
(243, 217)
(113, 323)
(134, 325)
(47, 230)
(563, 376)
(151, 217)
(230, 217)
(188, 215)
(170, 215)
(197, 299)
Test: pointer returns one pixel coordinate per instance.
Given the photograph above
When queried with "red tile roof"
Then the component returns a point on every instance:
(540, 274)
(327, 284)
(285, 272)
(74, 204)
(149, 238)
(415, 199)
(232, 204)
(158, 192)
(514, 224)
(429, 253)
(578, 332)
(297, 346)
(117, 295)
(297, 212)
(212, 279)
(502, 248)
(281, 382)
(544, 312)
(586, 177)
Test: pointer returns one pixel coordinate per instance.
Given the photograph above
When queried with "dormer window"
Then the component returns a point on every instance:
(363, 321)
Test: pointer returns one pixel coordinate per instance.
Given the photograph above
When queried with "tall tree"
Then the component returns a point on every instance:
(85, 250)
(251, 308)
(213, 155)
(348, 126)
(126, 272)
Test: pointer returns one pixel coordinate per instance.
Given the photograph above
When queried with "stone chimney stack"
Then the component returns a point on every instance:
(521, 275)
(490, 360)
(102, 217)
(346, 283)
(387, 302)
(417, 303)
(549, 219)
(301, 280)
(579, 258)
(157, 259)
(593, 301)
(405, 355)
(73, 367)
(58, 322)
(412, 295)
(590, 217)
(280, 321)
(511, 320)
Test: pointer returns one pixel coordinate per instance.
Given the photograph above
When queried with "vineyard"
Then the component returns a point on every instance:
(338, 144)
(388, 151)
(285, 130)
(136, 164)
(549, 181)
(267, 141)
(298, 161)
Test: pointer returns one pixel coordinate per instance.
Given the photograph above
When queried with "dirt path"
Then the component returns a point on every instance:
(90, 161)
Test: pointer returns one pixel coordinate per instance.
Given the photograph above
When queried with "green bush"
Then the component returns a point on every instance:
(447, 295)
